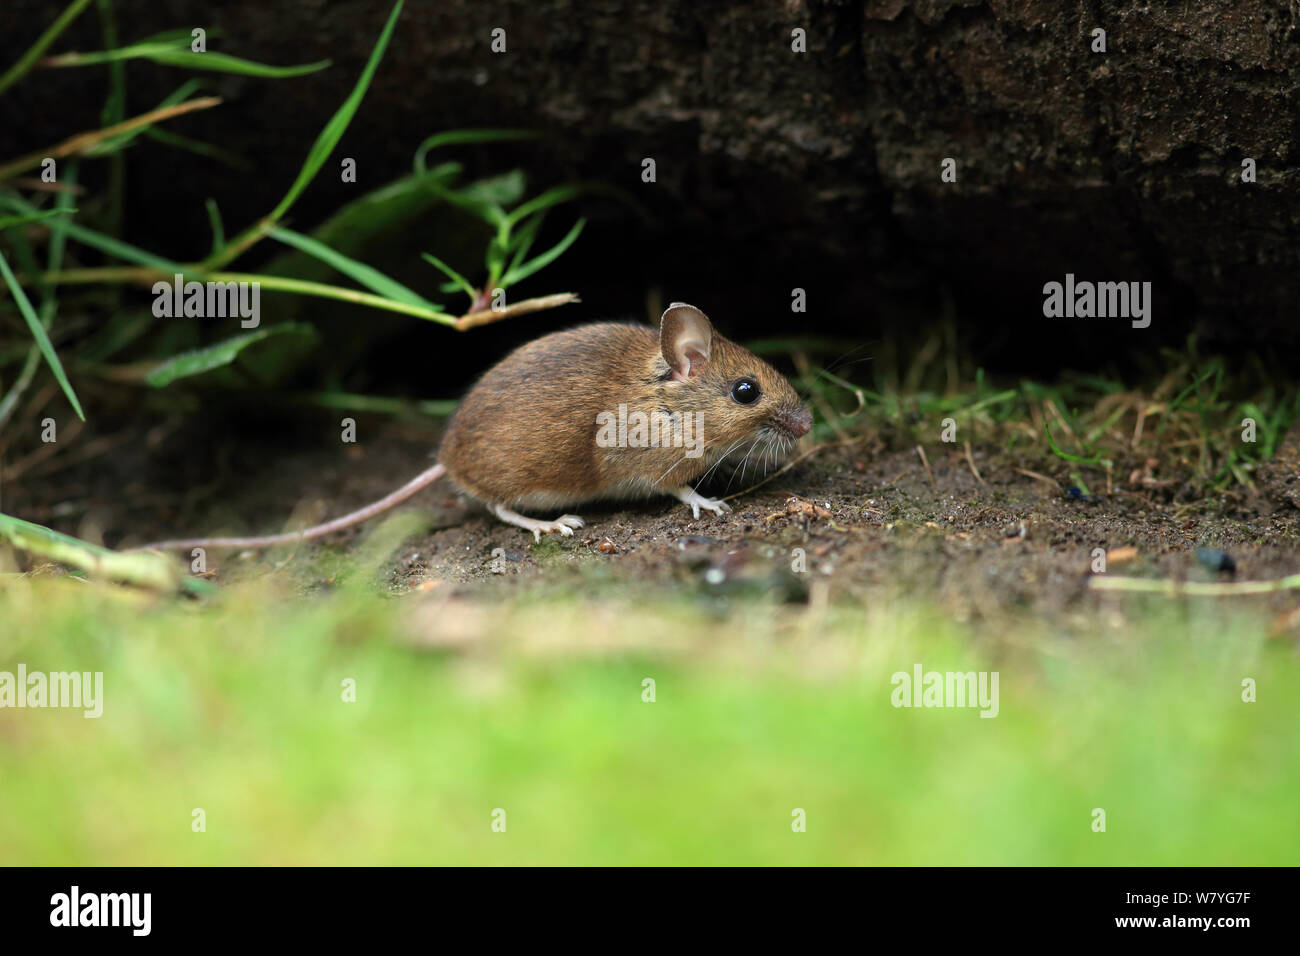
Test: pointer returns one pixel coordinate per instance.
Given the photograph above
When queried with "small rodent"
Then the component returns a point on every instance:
(603, 411)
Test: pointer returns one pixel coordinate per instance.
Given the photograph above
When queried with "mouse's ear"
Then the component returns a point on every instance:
(685, 338)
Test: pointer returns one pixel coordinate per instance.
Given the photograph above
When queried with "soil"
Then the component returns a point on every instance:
(874, 524)
(862, 521)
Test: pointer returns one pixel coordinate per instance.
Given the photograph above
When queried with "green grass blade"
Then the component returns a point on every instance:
(1065, 454)
(451, 273)
(42, 338)
(221, 353)
(117, 143)
(113, 113)
(371, 218)
(502, 190)
(214, 220)
(119, 249)
(495, 257)
(225, 63)
(522, 240)
(8, 222)
(49, 299)
(457, 137)
(153, 570)
(546, 258)
(59, 228)
(477, 202)
(119, 331)
(1007, 395)
(382, 405)
(277, 283)
(167, 54)
(33, 53)
(198, 147)
(97, 240)
(484, 198)
(371, 278)
(333, 131)
(552, 197)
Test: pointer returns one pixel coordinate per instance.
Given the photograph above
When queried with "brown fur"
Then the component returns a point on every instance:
(525, 435)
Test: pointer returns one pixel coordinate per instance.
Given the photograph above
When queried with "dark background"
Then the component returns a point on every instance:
(775, 170)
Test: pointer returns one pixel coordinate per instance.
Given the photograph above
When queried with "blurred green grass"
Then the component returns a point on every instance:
(535, 706)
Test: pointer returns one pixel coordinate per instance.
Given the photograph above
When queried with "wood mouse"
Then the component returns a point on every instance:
(610, 410)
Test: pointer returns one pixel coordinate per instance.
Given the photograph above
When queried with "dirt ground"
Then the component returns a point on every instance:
(857, 521)
(874, 523)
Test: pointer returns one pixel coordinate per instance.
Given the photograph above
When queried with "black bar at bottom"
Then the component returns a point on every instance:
(1226, 905)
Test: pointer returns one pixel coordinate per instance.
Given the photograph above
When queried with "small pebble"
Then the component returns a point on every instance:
(1216, 560)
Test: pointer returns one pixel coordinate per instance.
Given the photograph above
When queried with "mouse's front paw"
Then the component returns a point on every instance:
(695, 501)
(563, 524)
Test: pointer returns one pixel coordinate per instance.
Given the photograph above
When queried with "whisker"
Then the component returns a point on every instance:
(843, 358)
(660, 479)
(682, 459)
(743, 462)
(721, 459)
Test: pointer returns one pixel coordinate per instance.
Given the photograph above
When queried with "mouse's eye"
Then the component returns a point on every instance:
(746, 391)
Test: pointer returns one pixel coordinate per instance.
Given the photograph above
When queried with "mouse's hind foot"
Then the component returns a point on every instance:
(564, 524)
(695, 501)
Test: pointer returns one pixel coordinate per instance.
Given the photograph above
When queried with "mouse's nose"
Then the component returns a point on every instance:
(795, 422)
